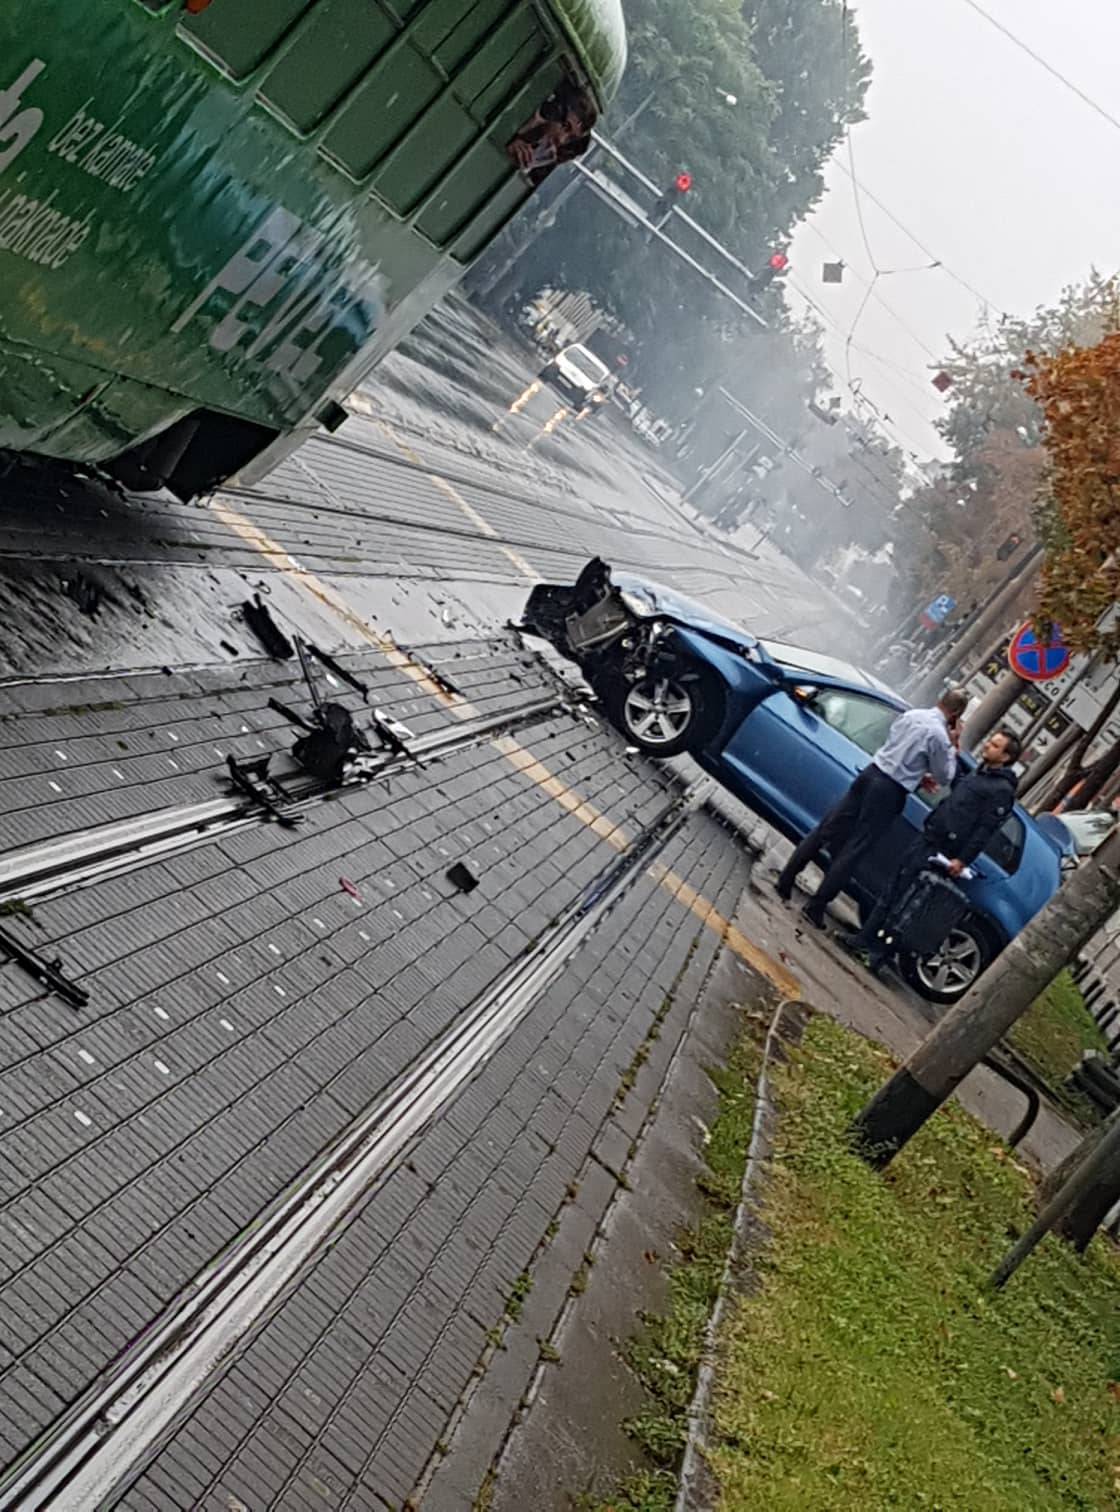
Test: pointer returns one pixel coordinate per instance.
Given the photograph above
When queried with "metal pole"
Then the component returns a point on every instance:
(991, 709)
(613, 197)
(714, 467)
(1106, 1154)
(772, 436)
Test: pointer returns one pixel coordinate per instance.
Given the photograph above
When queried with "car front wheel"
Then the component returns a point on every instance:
(947, 973)
(660, 714)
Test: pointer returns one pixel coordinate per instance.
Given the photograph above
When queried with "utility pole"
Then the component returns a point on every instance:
(769, 434)
(709, 472)
(967, 1033)
(992, 708)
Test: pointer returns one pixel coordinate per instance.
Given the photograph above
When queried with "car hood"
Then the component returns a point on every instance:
(665, 603)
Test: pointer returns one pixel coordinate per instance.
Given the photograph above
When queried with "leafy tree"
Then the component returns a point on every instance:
(1078, 390)
(995, 426)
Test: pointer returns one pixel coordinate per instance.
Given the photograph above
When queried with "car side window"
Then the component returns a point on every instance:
(865, 721)
(1006, 845)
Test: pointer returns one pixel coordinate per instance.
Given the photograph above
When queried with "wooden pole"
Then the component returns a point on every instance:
(983, 1016)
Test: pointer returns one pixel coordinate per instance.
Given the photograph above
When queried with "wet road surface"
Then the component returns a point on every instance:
(267, 1194)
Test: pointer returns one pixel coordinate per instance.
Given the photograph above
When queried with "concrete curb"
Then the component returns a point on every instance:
(694, 1475)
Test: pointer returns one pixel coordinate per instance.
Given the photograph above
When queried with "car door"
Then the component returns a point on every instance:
(794, 756)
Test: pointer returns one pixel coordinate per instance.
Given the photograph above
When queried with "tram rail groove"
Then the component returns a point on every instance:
(79, 1463)
(38, 871)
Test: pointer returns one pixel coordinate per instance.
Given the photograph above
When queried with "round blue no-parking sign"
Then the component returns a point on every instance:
(1035, 659)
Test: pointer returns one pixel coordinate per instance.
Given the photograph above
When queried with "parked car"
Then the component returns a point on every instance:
(786, 730)
(579, 376)
(1089, 828)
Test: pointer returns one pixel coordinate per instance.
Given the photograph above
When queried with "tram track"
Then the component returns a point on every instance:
(81, 1461)
(622, 519)
(37, 872)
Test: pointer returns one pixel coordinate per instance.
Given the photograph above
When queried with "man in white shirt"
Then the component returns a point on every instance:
(921, 743)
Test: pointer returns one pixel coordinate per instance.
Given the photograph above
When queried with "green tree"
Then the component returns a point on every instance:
(756, 163)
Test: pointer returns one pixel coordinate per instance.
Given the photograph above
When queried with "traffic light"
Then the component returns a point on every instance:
(1009, 547)
(776, 265)
(669, 197)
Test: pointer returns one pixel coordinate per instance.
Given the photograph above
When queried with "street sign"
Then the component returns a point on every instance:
(938, 612)
(1037, 660)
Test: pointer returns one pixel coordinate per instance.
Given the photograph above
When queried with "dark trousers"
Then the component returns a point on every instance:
(862, 817)
(873, 935)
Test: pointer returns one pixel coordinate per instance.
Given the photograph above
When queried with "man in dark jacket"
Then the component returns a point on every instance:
(959, 828)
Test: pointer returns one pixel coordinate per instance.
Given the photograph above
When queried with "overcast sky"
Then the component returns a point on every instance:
(1002, 172)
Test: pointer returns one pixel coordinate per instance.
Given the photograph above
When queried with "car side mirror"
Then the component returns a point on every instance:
(803, 693)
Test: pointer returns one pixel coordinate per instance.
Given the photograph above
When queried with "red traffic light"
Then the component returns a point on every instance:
(778, 261)
(682, 183)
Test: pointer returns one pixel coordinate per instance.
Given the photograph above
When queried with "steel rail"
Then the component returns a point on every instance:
(80, 1462)
(86, 856)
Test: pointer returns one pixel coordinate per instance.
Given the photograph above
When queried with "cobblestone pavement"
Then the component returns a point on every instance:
(342, 1398)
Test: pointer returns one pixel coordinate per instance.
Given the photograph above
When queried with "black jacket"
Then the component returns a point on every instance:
(962, 824)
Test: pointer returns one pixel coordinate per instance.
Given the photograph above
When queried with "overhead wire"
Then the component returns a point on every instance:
(940, 261)
(1055, 73)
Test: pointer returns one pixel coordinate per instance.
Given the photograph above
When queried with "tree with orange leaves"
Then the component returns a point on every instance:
(1078, 391)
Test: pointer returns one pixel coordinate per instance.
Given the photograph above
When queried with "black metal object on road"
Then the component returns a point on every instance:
(49, 973)
(461, 876)
(255, 781)
(258, 618)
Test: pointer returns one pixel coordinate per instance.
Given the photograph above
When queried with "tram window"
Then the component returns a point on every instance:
(450, 33)
(491, 219)
(378, 115)
(337, 45)
(241, 36)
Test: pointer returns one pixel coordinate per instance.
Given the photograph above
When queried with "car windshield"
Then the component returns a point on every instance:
(587, 365)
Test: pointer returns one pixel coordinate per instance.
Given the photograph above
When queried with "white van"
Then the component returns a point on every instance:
(579, 376)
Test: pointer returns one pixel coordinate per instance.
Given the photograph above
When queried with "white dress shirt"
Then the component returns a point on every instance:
(918, 744)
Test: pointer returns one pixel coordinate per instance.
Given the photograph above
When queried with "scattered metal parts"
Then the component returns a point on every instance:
(49, 973)
(85, 592)
(393, 735)
(332, 743)
(338, 669)
(256, 782)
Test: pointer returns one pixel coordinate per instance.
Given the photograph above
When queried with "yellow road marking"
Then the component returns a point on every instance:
(733, 937)
(518, 757)
(480, 522)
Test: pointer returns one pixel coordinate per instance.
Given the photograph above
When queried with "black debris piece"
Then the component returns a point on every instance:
(258, 618)
(461, 876)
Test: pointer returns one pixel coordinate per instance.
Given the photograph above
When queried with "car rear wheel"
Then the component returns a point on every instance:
(947, 974)
(660, 713)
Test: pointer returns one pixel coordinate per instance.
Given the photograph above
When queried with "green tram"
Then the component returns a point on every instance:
(217, 215)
